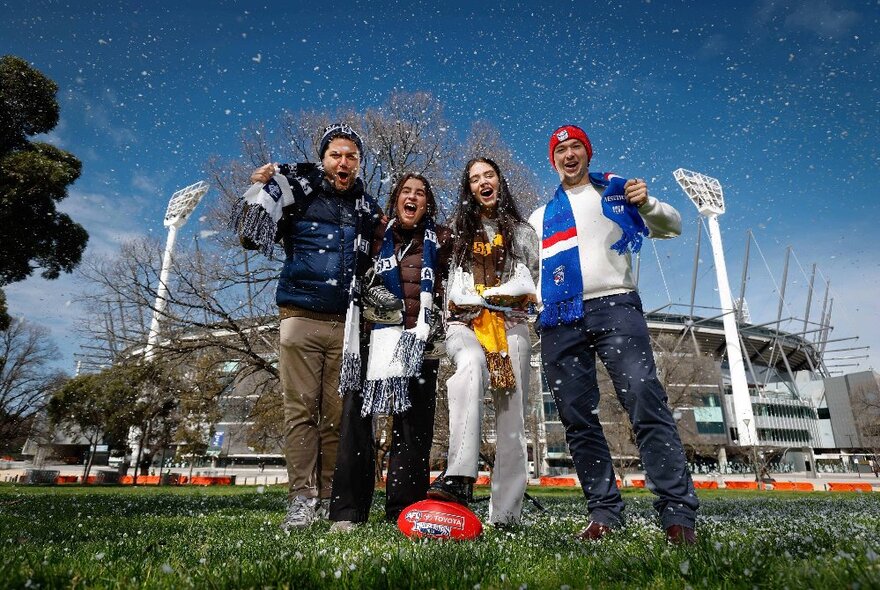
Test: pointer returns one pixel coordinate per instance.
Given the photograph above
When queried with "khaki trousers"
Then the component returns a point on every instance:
(310, 358)
(466, 390)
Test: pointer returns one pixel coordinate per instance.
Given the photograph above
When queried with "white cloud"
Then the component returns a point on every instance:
(821, 18)
(56, 136)
(101, 116)
(816, 16)
(147, 183)
(110, 219)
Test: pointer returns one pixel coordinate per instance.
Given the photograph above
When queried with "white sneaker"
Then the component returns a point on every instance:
(302, 512)
(343, 526)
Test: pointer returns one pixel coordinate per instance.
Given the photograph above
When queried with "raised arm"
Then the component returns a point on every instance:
(662, 219)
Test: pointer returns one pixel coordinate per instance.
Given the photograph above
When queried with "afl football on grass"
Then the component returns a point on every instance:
(439, 520)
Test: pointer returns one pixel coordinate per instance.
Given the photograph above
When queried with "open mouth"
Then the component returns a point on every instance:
(410, 207)
(571, 166)
(487, 192)
(343, 176)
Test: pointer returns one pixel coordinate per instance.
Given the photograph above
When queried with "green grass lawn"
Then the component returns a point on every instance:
(229, 537)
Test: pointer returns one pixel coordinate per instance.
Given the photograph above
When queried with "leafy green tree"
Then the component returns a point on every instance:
(198, 408)
(98, 407)
(34, 177)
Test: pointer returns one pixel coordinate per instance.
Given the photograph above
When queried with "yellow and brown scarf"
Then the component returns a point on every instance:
(489, 256)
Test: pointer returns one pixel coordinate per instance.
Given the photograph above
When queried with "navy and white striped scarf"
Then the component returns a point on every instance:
(396, 354)
(256, 215)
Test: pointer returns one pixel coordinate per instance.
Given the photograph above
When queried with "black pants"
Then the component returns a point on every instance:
(408, 469)
(614, 328)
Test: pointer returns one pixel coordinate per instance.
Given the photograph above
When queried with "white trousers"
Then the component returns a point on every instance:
(467, 389)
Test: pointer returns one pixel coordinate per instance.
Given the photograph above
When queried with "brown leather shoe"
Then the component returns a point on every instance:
(594, 531)
(681, 535)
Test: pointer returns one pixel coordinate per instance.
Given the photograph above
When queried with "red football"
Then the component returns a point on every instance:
(439, 520)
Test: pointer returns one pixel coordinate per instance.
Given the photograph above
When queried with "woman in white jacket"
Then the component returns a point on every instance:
(491, 284)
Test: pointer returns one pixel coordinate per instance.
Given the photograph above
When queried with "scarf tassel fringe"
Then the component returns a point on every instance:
(500, 371)
(628, 242)
(563, 312)
(254, 223)
(409, 353)
(350, 373)
(386, 396)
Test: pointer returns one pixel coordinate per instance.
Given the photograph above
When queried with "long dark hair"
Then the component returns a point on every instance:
(466, 216)
(391, 206)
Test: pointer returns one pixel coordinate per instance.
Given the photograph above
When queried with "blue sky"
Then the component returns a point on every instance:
(779, 100)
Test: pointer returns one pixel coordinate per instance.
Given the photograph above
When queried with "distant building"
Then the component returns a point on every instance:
(801, 416)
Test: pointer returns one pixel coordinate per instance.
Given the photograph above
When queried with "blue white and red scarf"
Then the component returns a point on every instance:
(396, 354)
(562, 286)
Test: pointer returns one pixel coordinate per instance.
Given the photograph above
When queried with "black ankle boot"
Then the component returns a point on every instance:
(452, 488)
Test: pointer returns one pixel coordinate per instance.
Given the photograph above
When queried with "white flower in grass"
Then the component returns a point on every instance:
(99, 556)
(167, 568)
(337, 574)
(684, 567)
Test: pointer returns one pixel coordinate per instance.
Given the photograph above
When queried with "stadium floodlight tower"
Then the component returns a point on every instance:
(180, 207)
(706, 194)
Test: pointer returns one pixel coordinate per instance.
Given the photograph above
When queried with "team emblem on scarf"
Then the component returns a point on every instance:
(562, 284)
(396, 354)
(256, 214)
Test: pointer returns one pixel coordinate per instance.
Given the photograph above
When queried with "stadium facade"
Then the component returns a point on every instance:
(804, 419)
(805, 415)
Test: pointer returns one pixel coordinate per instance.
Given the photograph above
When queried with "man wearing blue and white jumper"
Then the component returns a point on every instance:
(589, 305)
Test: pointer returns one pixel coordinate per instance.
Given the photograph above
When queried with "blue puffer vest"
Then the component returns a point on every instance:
(318, 233)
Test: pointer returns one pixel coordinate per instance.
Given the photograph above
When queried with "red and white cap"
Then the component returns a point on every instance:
(569, 132)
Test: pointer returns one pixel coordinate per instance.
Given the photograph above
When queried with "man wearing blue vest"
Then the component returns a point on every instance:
(325, 227)
(589, 305)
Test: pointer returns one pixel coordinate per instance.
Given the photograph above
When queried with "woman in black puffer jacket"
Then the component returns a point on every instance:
(412, 258)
